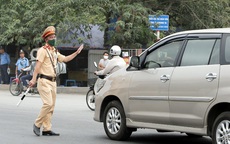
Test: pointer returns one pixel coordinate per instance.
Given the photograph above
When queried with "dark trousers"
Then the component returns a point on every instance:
(24, 78)
(4, 74)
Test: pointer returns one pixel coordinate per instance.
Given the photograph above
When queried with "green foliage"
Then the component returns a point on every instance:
(196, 14)
(132, 27)
(23, 21)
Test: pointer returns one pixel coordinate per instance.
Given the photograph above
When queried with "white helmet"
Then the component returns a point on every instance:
(115, 50)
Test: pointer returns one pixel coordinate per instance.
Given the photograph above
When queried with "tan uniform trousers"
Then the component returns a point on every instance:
(47, 90)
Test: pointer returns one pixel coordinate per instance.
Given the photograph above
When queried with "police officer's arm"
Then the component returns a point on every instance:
(73, 55)
(35, 73)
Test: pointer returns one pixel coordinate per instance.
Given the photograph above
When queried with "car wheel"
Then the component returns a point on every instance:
(221, 129)
(114, 121)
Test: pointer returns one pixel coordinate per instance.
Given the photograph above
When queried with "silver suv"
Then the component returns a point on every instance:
(181, 83)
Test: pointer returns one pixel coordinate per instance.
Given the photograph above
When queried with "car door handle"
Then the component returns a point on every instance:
(211, 76)
(164, 78)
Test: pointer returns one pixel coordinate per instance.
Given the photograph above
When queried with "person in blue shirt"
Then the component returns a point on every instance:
(21, 63)
(4, 64)
(29, 76)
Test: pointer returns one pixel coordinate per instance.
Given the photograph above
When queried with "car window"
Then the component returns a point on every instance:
(227, 49)
(164, 56)
(197, 52)
(215, 58)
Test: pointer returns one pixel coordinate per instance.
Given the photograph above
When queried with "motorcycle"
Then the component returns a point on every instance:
(90, 96)
(16, 87)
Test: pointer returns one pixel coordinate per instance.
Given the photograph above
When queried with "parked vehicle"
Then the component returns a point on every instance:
(181, 83)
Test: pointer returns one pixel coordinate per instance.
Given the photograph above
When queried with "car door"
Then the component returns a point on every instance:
(194, 82)
(148, 87)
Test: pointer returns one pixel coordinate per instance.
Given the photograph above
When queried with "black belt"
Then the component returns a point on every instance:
(53, 79)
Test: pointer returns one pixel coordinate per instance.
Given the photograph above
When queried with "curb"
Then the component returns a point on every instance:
(67, 90)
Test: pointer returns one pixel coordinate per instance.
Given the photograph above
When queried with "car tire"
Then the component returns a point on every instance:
(220, 131)
(114, 121)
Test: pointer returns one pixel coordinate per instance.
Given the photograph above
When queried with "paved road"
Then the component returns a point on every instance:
(73, 120)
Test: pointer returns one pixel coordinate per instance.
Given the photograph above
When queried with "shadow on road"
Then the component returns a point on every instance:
(163, 138)
(168, 139)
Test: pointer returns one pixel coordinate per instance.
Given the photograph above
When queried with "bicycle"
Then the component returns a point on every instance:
(16, 87)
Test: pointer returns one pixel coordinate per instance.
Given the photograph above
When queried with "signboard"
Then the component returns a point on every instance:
(159, 23)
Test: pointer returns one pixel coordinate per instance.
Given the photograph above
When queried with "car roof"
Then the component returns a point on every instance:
(203, 31)
(214, 30)
(199, 31)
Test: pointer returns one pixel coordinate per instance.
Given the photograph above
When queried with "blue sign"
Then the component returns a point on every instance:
(159, 23)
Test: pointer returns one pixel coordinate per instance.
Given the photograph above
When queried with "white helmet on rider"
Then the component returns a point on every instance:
(115, 50)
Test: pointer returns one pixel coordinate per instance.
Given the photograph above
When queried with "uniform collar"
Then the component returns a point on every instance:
(23, 58)
(46, 46)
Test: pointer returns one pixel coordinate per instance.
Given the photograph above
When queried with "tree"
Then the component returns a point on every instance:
(194, 14)
(23, 21)
(124, 22)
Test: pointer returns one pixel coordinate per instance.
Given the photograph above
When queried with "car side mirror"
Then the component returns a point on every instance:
(135, 62)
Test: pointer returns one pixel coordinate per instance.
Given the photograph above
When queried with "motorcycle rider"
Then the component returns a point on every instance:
(115, 63)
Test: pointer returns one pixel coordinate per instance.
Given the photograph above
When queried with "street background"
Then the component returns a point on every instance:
(73, 120)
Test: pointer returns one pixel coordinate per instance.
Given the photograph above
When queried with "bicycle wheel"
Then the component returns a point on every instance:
(90, 100)
(15, 88)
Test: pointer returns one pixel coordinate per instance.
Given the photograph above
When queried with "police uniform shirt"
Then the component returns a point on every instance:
(4, 59)
(47, 67)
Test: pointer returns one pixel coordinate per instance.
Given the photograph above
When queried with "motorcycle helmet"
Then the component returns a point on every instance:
(33, 54)
(115, 50)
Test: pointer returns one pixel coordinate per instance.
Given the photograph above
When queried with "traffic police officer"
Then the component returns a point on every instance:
(45, 70)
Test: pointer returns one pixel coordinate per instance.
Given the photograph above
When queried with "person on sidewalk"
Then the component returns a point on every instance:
(45, 70)
(4, 65)
(21, 63)
(104, 61)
